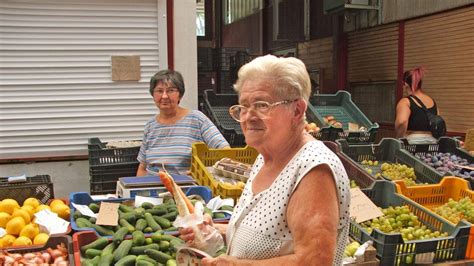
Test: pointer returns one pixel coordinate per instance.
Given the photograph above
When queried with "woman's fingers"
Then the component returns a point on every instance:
(186, 234)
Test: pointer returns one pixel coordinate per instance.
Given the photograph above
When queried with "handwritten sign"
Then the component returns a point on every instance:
(108, 214)
(125, 68)
(362, 208)
(469, 141)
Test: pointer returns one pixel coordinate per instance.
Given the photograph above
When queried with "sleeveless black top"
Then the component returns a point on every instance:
(418, 120)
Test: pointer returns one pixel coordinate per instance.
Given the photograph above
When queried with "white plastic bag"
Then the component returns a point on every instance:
(206, 237)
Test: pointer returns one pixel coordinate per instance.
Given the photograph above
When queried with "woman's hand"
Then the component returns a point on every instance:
(187, 234)
(222, 260)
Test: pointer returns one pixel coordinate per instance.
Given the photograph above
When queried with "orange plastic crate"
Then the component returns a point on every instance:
(434, 195)
(203, 157)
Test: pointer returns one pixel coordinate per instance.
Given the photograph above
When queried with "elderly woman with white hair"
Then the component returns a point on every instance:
(294, 209)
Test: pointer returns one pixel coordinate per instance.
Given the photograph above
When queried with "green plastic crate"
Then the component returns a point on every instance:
(344, 110)
(393, 250)
(216, 107)
(389, 150)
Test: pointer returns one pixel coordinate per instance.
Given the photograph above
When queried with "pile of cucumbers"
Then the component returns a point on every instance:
(147, 218)
(158, 249)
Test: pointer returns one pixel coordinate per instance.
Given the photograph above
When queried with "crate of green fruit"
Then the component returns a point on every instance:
(157, 249)
(147, 218)
(451, 199)
(388, 160)
(407, 231)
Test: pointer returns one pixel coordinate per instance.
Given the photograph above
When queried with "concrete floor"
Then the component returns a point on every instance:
(67, 176)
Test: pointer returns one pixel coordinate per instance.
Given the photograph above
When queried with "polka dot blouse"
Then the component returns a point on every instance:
(258, 228)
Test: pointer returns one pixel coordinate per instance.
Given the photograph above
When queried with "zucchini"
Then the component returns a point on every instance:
(99, 243)
(158, 255)
(120, 235)
(122, 250)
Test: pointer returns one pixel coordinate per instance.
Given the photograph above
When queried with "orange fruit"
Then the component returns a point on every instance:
(22, 241)
(9, 205)
(30, 209)
(7, 240)
(56, 201)
(62, 210)
(15, 225)
(41, 239)
(33, 202)
(30, 231)
(42, 207)
(23, 214)
(4, 218)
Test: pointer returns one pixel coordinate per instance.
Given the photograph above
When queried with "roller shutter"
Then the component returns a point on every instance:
(55, 74)
(443, 44)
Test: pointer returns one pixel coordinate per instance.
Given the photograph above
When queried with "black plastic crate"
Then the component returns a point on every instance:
(39, 187)
(344, 110)
(105, 181)
(389, 150)
(444, 145)
(216, 107)
(100, 155)
(393, 250)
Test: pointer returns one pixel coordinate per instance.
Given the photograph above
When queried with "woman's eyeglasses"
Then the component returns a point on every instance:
(261, 108)
(168, 91)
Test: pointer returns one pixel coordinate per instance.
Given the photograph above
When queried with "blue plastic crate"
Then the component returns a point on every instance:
(85, 198)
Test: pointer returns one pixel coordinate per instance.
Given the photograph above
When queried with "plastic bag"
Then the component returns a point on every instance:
(206, 237)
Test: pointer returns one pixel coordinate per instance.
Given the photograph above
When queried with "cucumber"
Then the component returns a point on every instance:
(138, 238)
(108, 249)
(171, 216)
(145, 257)
(164, 245)
(147, 205)
(92, 220)
(122, 250)
(158, 255)
(148, 241)
(125, 208)
(218, 215)
(157, 211)
(145, 263)
(83, 223)
(94, 207)
(78, 214)
(148, 229)
(226, 208)
(171, 262)
(128, 260)
(151, 222)
(120, 235)
(141, 224)
(99, 243)
(92, 253)
(141, 249)
(102, 230)
(129, 216)
(127, 225)
(163, 222)
(106, 260)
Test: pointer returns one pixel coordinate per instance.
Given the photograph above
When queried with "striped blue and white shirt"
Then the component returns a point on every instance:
(171, 144)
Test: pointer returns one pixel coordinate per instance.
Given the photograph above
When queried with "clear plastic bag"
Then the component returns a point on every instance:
(206, 237)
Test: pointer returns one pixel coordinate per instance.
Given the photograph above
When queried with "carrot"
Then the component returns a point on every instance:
(165, 179)
(189, 205)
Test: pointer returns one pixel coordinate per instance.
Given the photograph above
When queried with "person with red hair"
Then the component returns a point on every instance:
(411, 120)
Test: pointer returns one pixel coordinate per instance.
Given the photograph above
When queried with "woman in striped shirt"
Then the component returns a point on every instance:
(168, 136)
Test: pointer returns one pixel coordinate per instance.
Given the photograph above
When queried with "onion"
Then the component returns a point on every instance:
(58, 259)
(46, 257)
(29, 256)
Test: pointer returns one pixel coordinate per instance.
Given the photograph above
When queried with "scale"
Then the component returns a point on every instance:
(149, 186)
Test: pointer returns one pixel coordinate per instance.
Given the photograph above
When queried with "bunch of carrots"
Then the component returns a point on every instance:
(184, 205)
